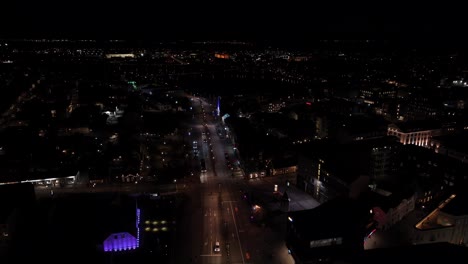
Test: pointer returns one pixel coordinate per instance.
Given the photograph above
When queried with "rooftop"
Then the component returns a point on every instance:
(425, 253)
(458, 142)
(418, 125)
(346, 161)
(335, 229)
(359, 124)
(457, 206)
(326, 220)
(391, 201)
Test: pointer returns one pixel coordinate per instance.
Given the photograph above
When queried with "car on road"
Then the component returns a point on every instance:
(216, 247)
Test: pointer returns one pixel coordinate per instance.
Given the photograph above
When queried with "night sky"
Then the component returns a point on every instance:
(228, 19)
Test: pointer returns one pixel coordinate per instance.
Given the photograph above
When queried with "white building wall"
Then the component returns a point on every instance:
(395, 215)
(457, 234)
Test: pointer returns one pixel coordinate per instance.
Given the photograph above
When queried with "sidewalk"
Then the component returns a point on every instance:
(265, 244)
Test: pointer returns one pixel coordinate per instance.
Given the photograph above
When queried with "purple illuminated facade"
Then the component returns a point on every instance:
(123, 241)
(138, 226)
(120, 242)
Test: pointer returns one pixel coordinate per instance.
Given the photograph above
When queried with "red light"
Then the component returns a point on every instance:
(370, 234)
(308, 103)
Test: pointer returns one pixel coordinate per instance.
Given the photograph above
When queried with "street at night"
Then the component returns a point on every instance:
(233, 133)
(218, 212)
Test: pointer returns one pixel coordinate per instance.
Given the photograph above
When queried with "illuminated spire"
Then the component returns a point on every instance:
(217, 108)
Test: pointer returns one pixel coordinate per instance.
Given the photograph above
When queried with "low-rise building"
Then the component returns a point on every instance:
(415, 132)
(454, 146)
(326, 170)
(333, 231)
(393, 205)
(423, 253)
(446, 223)
(276, 106)
(281, 167)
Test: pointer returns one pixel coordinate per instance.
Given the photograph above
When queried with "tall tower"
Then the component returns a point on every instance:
(218, 106)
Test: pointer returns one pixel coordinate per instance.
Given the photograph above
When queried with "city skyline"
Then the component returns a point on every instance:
(245, 133)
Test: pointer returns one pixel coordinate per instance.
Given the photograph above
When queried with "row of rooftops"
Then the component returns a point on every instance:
(335, 230)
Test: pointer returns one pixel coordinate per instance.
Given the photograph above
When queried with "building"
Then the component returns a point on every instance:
(157, 225)
(422, 107)
(446, 223)
(321, 127)
(274, 107)
(120, 55)
(397, 213)
(454, 146)
(326, 170)
(377, 94)
(383, 158)
(415, 132)
(283, 166)
(26, 157)
(325, 175)
(354, 127)
(120, 242)
(224, 56)
(394, 206)
(423, 253)
(390, 109)
(17, 202)
(333, 231)
(433, 174)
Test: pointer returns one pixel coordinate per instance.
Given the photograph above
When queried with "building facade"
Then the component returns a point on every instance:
(416, 136)
(447, 223)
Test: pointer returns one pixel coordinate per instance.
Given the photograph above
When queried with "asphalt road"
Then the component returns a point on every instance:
(130, 188)
(216, 212)
(211, 215)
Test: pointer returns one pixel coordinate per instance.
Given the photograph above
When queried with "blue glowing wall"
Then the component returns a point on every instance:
(120, 242)
(138, 226)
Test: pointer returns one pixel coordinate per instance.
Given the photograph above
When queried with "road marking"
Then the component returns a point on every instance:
(217, 255)
(238, 239)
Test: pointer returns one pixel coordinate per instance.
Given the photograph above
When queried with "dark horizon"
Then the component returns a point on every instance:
(326, 40)
(182, 20)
